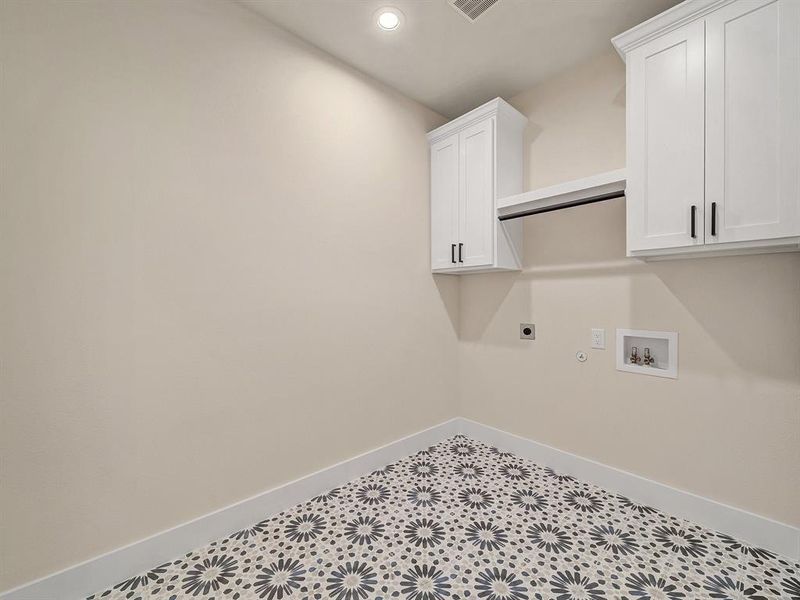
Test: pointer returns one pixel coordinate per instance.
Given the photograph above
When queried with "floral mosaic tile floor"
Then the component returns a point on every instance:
(462, 520)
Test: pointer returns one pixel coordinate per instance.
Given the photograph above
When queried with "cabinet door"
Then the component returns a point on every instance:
(476, 211)
(753, 120)
(666, 140)
(444, 202)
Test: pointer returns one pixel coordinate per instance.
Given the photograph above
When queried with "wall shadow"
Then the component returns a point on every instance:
(619, 97)
(749, 306)
(448, 286)
(483, 297)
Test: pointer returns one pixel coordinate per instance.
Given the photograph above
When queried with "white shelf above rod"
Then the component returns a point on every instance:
(603, 186)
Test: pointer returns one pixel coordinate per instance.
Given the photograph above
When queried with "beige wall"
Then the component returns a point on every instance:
(206, 227)
(729, 427)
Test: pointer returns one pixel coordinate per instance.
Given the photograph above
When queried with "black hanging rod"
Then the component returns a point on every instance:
(570, 204)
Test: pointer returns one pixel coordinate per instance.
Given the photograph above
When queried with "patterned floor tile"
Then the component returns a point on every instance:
(464, 521)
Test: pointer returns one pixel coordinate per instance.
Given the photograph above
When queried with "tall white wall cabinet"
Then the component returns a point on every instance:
(713, 128)
(475, 160)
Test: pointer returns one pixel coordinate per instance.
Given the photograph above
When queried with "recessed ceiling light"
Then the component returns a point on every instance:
(389, 19)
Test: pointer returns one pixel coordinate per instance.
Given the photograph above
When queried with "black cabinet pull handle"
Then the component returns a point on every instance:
(460, 246)
(713, 218)
(453, 253)
(694, 218)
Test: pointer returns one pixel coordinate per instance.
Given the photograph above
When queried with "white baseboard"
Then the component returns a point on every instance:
(108, 569)
(757, 530)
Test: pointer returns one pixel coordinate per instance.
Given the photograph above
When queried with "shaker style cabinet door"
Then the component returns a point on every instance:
(665, 154)
(444, 203)
(753, 121)
(477, 216)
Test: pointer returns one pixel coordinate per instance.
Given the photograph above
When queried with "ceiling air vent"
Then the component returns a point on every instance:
(472, 9)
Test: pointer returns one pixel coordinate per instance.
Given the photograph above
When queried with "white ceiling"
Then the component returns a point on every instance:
(449, 64)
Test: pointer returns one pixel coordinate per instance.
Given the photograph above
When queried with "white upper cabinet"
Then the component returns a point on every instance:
(473, 158)
(713, 128)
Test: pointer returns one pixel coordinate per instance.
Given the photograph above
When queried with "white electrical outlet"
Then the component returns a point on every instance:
(599, 339)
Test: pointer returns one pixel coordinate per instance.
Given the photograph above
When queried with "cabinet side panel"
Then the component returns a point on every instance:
(509, 181)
